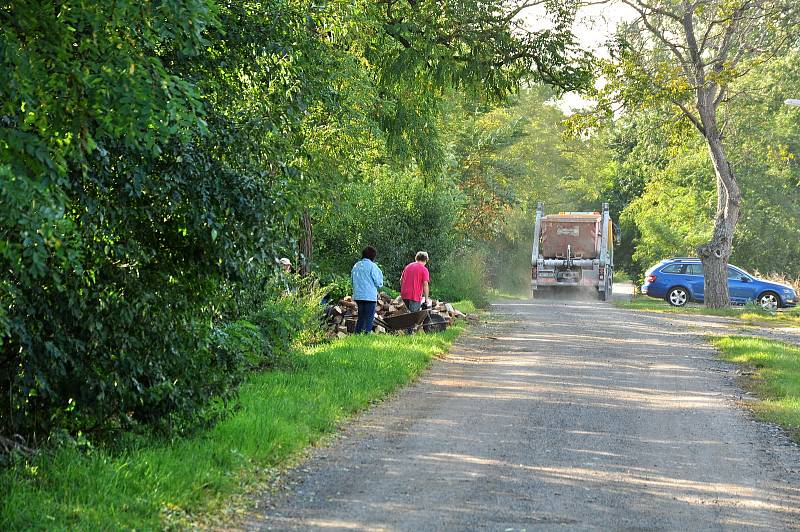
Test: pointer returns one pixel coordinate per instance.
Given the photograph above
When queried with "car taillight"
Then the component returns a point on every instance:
(651, 279)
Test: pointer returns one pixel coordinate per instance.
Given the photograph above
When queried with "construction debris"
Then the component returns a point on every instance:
(341, 317)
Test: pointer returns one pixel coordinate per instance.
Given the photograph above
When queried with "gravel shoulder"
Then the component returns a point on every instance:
(563, 415)
(722, 325)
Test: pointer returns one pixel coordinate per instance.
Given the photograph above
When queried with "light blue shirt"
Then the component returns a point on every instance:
(367, 278)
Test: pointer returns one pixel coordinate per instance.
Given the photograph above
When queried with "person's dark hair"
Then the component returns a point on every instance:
(422, 256)
(369, 253)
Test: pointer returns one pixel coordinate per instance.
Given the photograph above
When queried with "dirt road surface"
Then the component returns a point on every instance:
(555, 415)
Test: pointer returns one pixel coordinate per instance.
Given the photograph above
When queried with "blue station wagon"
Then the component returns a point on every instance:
(681, 280)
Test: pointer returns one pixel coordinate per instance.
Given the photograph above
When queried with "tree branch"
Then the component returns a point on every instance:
(636, 5)
(691, 42)
(639, 5)
(691, 116)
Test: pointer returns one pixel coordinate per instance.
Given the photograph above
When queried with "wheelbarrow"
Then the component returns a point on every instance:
(413, 320)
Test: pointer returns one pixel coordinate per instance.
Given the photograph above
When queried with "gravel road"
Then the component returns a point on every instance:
(554, 415)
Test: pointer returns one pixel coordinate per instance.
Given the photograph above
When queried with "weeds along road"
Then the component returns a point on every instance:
(554, 415)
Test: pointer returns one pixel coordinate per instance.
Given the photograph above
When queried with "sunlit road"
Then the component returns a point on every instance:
(555, 416)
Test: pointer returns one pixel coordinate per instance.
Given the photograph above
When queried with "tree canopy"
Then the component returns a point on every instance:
(687, 54)
(156, 158)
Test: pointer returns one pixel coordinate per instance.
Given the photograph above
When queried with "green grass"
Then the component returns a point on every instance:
(497, 293)
(776, 380)
(465, 305)
(167, 484)
(748, 313)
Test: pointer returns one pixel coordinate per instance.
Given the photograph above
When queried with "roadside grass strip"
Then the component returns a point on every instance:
(748, 313)
(466, 306)
(776, 380)
(502, 294)
(172, 484)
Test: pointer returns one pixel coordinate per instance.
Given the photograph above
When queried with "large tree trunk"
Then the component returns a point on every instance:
(716, 252)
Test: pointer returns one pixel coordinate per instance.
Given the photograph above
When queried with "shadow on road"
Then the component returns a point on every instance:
(574, 415)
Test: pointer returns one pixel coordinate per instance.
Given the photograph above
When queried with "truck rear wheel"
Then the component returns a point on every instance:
(605, 295)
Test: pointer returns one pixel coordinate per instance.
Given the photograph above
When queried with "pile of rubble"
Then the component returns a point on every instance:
(342, 316)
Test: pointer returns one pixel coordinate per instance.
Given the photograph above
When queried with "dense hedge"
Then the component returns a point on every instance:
(129, 207)
(398, 214)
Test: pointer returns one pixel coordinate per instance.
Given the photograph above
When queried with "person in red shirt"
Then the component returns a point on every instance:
(414, 282)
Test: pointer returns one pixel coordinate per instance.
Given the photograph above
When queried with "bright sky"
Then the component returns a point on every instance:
(594, 26)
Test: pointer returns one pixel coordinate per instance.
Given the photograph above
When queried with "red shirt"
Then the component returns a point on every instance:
(414, 275)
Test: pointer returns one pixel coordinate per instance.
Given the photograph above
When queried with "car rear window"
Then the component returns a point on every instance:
(673, 268)
(655, 267)
(694, 269)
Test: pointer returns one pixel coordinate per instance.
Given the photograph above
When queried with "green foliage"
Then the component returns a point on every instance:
(290, 320)
(463, 277)
(244, 339)
(672, 213)
(337, 286)
(766, 139)
(640, 146)
(656, 89)
(398, 214)
(516, 155)
(509, 255)
(128, 209)
(166, 484)
(155, 158)
(663, 184)
(507, 159)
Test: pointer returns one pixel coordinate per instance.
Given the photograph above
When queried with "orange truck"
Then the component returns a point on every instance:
(573, 249)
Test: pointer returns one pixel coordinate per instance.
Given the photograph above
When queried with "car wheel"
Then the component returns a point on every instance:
(678, 296)
(768, 301)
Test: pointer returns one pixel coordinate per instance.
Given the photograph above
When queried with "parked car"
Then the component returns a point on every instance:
(680, 280)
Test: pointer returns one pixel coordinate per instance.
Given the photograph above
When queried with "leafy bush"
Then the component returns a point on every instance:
(463, 277)
(245, 340)
(289, 319)
(509, 271)
(398, 214)
(337, 286)
(132, 200)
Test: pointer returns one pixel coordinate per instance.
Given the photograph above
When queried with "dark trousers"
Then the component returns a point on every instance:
(412, 305)
(366, 315)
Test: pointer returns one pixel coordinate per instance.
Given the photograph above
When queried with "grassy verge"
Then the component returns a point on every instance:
(748, 313)
(165, 484)
(466, 306)
(496, 293)
(776, 379)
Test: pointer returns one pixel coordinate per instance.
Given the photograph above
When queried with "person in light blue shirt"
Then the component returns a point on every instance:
(367, 278)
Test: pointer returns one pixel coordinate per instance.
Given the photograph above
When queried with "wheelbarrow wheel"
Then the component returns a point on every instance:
(434, 323)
